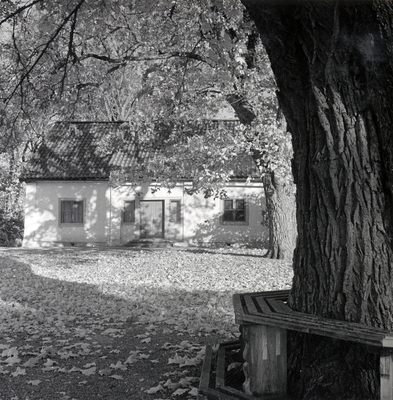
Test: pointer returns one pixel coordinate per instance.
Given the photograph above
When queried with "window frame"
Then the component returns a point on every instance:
(61, 211)
(178, 218)
(234, 209)
(124, 211)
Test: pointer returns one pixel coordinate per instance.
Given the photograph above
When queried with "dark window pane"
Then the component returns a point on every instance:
(228, 211)
(228, 205)
(175, 211)
(129, 211)
(234, 210)
(71, 212)
(240, 210)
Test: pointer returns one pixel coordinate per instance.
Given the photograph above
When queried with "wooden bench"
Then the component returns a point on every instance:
(264, 320)
(216, 382)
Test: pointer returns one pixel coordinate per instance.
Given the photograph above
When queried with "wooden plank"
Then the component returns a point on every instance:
(238, 394)
(245, 396)
(262, 304)
(388, 342)
(386, 377)
(237, 305)
(232, 345)
(343, 327)
(306, 322)
(279, 306)
(213, 394)
(303, 318)
(220, 367)
(274, 293)
(251, 308)
(206, 369)
(300, 316)
(265, 360)
(267, 308)
(315, 326)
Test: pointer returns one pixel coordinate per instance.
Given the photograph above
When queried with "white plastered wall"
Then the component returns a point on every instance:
(42, 213)
(200, 222)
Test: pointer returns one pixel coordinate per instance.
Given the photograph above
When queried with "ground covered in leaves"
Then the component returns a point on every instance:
(119, 324)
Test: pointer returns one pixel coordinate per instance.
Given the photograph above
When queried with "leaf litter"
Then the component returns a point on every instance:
(120, 324)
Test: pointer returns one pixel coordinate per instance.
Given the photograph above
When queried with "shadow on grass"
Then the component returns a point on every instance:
(40, 311)
(28, 297)
(223, 251)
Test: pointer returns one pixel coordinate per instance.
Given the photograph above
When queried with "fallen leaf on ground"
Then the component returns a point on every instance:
(118, 377)
(73, 306)
(155, 389)
(34, 382)
(19, 371)
(89, 371)
(180, 392)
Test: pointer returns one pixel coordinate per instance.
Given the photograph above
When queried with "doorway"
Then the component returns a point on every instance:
(151, 219)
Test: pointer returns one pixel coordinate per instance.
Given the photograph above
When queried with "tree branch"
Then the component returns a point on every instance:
(110, 60)
(70, 50)
(242, 108)
(18, 11)
(51, 39)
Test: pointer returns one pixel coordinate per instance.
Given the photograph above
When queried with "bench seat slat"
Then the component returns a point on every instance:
(237, 305)
(214, 394)
(269, 308)
(301, 318)
(251, 308)
(206, 368)
(220, 367)
(262, 304)
(279, 306)
(315, 327)
(309, 319)
(281, 294)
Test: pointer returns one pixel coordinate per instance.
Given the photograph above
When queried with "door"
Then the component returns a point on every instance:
(152, 218)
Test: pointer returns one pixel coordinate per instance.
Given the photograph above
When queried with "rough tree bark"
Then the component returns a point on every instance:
(280, 201)
(333, 63)
(280, 206)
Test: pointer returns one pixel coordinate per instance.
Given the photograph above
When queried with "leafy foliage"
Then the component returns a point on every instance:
(11, 202)
(143, 62)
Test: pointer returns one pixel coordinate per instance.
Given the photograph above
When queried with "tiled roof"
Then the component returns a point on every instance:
(74, 151)
(71, 151)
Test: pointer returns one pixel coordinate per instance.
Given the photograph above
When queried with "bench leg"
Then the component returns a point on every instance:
(386, 372)
(265, 359)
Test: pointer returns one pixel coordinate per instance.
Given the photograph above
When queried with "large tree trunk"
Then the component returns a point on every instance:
(333, 65)
(280, 207)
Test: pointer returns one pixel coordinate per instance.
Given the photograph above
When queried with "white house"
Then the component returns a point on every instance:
(70, 201)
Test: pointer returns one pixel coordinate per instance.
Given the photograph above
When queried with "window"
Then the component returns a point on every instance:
(234, 210)
(175, 211)
(129, 211)
(71, 211)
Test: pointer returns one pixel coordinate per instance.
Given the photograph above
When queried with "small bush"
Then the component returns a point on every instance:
(11, 229)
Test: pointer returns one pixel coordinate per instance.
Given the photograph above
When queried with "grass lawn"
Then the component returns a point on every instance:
(119, 324)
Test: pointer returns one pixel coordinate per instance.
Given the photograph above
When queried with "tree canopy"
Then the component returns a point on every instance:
(144, 62)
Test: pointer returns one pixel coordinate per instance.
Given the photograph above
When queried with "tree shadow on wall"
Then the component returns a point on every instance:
(213, 231)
